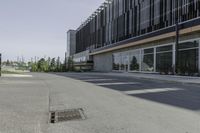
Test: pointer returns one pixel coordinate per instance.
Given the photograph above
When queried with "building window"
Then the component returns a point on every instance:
(188, 58)
(147, 62)
(134, 60)
(116, 61)
(125, 61)
(164, 59)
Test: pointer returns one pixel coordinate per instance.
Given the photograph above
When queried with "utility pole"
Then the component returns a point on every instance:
(65, 63)
(177, 35)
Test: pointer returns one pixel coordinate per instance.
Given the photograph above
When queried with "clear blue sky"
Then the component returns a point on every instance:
(38, 27)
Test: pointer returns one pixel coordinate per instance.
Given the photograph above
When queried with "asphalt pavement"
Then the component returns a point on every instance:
(111, 103)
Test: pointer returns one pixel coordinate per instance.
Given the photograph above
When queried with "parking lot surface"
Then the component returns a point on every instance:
(112, 104)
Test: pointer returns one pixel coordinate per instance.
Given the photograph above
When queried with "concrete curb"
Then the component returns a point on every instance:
(173, 80)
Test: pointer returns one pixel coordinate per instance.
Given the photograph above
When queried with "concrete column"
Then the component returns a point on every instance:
(129, 61)
(140, 57)
(154, 59)
(120, 68)
(174, 57)
(199, 57)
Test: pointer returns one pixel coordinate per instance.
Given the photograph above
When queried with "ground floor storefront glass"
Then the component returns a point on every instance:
(134, 64)
(164, 59)
(125, 61)
(147, 60)
(161, 59)
(188, 58)
(116, 61)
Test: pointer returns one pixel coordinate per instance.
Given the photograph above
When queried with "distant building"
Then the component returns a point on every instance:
(71, 43)
(81, 60)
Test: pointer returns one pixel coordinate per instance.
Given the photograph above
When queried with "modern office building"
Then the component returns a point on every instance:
(156, 36)
(82, 60)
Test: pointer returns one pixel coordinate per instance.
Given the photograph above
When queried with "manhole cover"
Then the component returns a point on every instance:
(67, 115)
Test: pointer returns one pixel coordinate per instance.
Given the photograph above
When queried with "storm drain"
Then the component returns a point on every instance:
(67, 115)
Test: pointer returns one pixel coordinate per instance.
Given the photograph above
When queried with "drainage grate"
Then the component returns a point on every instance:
(67, 115)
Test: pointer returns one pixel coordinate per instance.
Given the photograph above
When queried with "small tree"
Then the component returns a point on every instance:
(58, 64)
(70, 64)
(7, 63)
(53, 64)
(34, 67)
(42, 65)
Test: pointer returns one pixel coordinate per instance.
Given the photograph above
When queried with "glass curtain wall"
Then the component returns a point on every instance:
(125, 61)
(134, 59)
(123, 19)
(160, 59)
(164, 59)
(144, 61)
(188, 58)
(117, 61)
(147, 60)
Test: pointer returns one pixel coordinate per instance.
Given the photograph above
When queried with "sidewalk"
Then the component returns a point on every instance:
(169, 78)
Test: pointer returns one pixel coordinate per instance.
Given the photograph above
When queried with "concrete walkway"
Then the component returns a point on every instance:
(23, 104)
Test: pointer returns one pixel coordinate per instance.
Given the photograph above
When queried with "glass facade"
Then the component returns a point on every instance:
(119, 20)
(164, 59)
(116, 61)
(161, 59)
(134, 58)
(188, 58)
(147, 62)
(125, 62)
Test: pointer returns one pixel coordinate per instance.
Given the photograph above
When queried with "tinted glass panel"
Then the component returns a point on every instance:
(188, 58)
(148, 62)
(185, 45)
(164, 48)
(122, 19)
(134, 61)
(147, 51)
(125, 60)
(116, 61)
(164, 62)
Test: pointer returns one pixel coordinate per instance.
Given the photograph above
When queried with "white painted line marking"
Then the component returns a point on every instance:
(88, 80)
(133, 92)
(16, 75)
(118, 83)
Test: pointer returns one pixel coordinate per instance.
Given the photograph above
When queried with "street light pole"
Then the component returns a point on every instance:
(177, 36)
